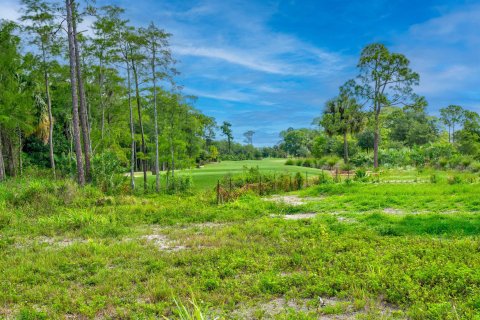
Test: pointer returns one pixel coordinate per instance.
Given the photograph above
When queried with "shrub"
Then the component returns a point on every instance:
(290, 162)
(442, 162)
(324, 178)
(346, 167)
(475, 166)
(454, 161)
(181, 183)
(361, 174)
(465, 162)
(106, 171)
(454, 180)
(299, 180)
(309, 163)
(433, 178)
(299, 162)
(331, 161)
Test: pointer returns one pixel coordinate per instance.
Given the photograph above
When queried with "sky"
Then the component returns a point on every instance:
(267, 65)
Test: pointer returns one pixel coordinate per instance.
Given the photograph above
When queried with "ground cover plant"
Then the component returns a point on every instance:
(350, 249)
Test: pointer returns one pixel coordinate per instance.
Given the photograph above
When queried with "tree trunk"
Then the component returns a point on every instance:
(139, 107)
(50, 116)
(345, 147)
(102, 106)
(132, 131)
(155, 116)
(375, 141)
(453, 133)
(2, 161)
(83, 104)
(20, 149)
(73, 80)
(12, 169)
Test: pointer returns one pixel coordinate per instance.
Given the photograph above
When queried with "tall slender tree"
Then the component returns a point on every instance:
(84, 124)
(41, 21)
(69, 4)
(451, 116)
(226, 129)
(385, 80)
(159, 54)
(249, 136)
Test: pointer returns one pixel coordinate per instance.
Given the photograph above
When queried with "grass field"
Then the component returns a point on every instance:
(388, 250)
(206, 177)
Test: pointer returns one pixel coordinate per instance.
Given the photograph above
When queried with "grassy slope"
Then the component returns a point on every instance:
(206, 177)
(76, 252)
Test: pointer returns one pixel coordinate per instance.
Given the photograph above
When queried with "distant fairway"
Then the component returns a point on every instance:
(207, 177)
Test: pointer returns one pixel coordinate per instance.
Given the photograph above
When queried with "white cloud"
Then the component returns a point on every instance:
(9, 9)
(446, 52)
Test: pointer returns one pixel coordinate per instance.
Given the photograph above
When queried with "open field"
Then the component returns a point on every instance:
(206, 177)
(333, 251)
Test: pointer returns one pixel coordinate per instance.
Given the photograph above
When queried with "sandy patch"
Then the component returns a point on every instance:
(273, 308)
(163, 243)
(393, 211)
(291, 200)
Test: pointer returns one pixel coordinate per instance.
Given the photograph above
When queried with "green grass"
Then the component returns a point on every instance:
(205, 178)
(377, 250)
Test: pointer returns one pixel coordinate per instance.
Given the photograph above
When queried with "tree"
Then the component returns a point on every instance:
(73, 84)
(135, 44)
(411, 125)
(16, 112)
(451, 116)
(249, 136)
(160, 56)
(41, 21)
(298, 142)
(468, 138)
(226, 129)
(84, 124)
(343, 115)
(385, 80)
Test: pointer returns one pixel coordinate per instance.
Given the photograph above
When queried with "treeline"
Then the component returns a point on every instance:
(91, 105)
(377, 119)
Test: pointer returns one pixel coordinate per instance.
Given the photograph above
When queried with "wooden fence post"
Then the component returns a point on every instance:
(274, 182)
(261, 189)
(218, 192)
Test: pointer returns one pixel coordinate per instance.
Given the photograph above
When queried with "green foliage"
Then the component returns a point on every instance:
(107, 171)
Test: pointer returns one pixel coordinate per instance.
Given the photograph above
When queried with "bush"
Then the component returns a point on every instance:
(475, 166)
(346, 167)
(290, 162)
(361, 175)
(299, 180)
(107, 171)
(181, 183)
(466, 162)
(324, 178)
(442, 163)
(331, 161)
(454, 180)
(309, 163)
(299, 162)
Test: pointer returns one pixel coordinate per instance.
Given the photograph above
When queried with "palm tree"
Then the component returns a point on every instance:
(343, 115)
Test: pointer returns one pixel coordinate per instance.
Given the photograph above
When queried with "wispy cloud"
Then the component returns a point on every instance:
(445, 50)
(9, 9)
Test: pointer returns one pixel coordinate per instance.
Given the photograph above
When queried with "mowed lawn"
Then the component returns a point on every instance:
(206, 177)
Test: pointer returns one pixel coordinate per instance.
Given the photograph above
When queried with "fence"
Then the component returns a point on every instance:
(228, 190)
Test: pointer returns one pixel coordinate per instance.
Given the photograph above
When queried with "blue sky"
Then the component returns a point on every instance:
(266, 65)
